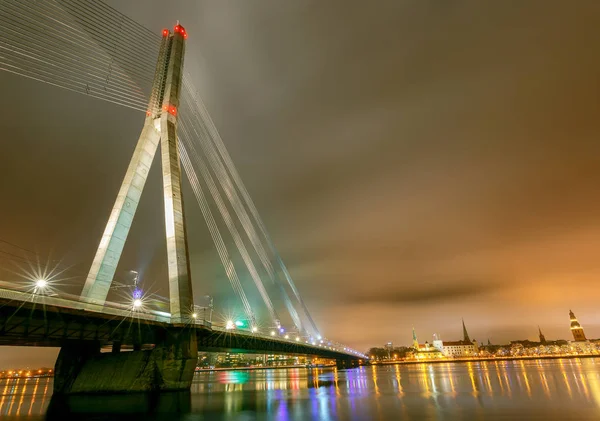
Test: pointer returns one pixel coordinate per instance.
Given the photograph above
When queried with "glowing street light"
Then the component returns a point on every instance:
(194, 315)
(229, 325)
(137, 303)
(254, 329)
(272, 333)
(41, 283)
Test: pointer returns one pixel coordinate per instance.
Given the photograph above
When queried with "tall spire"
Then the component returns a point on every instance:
(465, 333)
(576, 329)
(542, 337)
(415, 341)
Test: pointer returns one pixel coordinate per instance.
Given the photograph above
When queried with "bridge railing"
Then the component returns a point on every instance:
(77, 303)
(325, 345)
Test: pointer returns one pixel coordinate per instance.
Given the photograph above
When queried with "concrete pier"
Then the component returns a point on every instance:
(346, 363)
(82, 369)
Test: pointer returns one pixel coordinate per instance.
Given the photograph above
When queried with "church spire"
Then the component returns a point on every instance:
(465, 333)
(415, 341)
(576, 329)
(542, 337)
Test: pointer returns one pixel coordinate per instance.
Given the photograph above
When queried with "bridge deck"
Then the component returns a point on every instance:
(28, 319)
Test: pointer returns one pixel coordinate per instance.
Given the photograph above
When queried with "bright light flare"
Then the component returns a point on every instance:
(137, 303)
(195, 316)
(41, 283)
(229, 325)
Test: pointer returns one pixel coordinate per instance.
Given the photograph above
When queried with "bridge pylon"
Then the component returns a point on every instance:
(160, 126)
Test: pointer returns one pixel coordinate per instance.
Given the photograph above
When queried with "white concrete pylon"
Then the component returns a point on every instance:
(160, 125)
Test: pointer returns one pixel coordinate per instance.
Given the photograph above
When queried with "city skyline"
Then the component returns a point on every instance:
(573, 327)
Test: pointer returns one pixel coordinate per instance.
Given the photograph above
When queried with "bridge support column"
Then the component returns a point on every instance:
(346, 363)
(170, 366)
(73, 356)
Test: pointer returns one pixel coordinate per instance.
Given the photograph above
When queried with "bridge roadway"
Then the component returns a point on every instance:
(28, 319)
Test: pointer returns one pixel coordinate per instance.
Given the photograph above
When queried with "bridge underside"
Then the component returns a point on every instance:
(164, 356)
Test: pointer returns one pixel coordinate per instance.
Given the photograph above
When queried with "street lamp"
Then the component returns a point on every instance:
(137, 303)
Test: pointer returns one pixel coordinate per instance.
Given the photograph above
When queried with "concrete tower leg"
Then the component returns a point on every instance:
(180, 286)
(109, 251)
(111, 245)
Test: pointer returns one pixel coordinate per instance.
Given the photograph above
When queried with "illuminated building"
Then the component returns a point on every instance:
(455, 349)
(576, 329)
(425, 351)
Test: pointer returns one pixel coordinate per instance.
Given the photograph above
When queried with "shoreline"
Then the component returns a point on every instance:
(472, 360)
(411, 362)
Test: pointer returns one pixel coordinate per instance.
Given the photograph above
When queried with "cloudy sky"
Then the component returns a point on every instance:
(415, 162)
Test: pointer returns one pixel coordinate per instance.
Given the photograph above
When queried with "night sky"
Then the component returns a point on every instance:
(415, 162)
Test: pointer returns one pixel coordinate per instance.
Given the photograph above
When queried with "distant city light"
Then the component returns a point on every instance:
(229, 325)
(137, 303)
(297, 338)
(287, 336)
(195, 315)
(254, 329)
(272, 333)
(41, 283)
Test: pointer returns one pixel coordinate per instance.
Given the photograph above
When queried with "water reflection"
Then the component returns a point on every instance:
(555, 389)
(24, 396)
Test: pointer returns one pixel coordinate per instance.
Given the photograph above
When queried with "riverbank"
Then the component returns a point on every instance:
(486, 359)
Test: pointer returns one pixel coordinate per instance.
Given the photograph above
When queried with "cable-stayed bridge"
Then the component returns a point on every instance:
(92, 49)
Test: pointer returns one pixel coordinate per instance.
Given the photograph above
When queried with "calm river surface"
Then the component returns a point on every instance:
(567, 389)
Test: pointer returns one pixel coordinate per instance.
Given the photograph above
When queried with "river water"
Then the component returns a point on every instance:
(565, 389)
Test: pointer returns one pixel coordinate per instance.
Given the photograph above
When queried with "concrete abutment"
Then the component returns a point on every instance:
(82, 369)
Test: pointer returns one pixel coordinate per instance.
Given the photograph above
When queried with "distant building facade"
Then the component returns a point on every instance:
(457, 349)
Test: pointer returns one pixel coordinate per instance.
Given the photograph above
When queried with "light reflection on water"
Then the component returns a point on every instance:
(520, 390)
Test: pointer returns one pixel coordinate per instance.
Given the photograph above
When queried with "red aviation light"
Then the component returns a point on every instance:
(171, 109)
(165, 32)
(181, 30)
